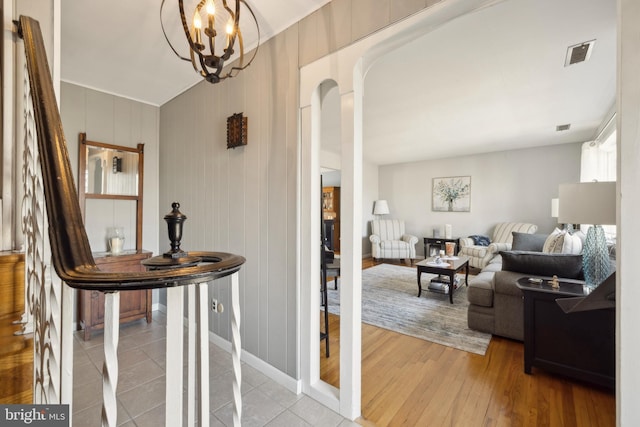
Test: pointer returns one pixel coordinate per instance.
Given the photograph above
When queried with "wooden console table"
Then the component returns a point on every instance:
(134, 305)
(579, 345)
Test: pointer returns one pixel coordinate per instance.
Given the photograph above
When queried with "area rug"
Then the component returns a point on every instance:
(390, 301)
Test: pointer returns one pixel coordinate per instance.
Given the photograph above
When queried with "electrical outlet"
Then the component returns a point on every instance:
(214, 304)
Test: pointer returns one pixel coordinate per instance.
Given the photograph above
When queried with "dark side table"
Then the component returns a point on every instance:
(440, 243)
(449, 268)
(578, 345)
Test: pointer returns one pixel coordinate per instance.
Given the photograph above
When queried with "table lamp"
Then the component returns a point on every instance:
(590, 203)
(555, 203)
(380, 207)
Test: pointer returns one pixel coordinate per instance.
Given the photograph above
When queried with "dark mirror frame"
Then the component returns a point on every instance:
(83, 144)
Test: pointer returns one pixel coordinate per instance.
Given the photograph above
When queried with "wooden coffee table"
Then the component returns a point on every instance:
(453, 266)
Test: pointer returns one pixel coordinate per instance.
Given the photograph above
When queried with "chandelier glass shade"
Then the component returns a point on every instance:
(213, 33)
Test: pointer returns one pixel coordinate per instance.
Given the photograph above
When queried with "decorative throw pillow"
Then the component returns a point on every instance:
(566, 266)
(528, 241)
(553, 243)
(480, 240)
(572, 244)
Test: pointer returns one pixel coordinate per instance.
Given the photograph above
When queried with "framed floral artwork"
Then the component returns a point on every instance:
(451, 194)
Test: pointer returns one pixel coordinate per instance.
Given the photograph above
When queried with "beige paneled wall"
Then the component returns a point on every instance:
(115, 120)
(245, 200)
(342, 22)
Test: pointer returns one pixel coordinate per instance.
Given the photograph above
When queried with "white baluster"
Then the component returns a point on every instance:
(110, 367)
(236, 349)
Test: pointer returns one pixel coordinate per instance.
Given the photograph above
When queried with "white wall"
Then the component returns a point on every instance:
(47, 13)
(513, 185)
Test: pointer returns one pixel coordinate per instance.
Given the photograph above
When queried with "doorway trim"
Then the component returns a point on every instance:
(348, 68)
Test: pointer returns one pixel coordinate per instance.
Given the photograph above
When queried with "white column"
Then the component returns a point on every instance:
(628, 251)
(351, 261)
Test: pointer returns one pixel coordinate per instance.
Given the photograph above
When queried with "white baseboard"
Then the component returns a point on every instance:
(275, 374)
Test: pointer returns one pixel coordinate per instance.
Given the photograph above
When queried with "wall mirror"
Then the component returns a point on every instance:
(113, 173)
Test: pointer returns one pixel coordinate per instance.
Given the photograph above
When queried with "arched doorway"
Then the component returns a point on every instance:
(347, 68)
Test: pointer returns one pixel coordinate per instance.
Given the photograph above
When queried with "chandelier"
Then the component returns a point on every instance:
(209, 47)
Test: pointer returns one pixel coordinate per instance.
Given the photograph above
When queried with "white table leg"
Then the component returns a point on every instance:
(175, 333)
(110, 367)
(203, 348)
(191, 365)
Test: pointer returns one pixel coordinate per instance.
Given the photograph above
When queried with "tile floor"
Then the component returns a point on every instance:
(141, 390)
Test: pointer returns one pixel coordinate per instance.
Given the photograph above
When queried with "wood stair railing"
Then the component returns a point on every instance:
(73, 261)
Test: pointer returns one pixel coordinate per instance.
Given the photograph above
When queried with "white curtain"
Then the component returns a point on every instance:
(598, 163)
(599, 160)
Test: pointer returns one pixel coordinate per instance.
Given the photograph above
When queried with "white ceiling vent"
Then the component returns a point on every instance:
(579, 53)
(561, 128)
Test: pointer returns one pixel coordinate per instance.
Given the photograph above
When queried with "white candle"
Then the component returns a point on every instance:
(116, 245)
(447, 231)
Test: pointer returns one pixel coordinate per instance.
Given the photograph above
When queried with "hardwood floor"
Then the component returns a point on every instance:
(411, 382)
(16, 363)
(16, 352)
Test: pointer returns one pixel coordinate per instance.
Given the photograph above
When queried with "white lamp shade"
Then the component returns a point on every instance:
(380, 207)
(587, 203)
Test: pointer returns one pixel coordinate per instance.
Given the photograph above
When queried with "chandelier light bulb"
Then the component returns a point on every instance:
(197, 21)
(230, 26)
(197, 26)
(211, 8)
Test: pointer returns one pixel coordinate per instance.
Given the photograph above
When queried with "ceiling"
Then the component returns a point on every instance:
(493, 80)
(488, 81)
(117, 46)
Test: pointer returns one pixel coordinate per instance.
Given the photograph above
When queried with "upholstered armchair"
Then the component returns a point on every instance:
(389, 241)
(480, 256)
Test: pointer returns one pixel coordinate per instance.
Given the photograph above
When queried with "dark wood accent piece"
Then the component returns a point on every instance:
(331, 211)
(134, 305)
(237, 130)
(578, 345)
(453, 267)
(439, 242)
(329, 229)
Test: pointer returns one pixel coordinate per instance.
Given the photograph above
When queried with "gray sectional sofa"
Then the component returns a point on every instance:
(495, 302)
